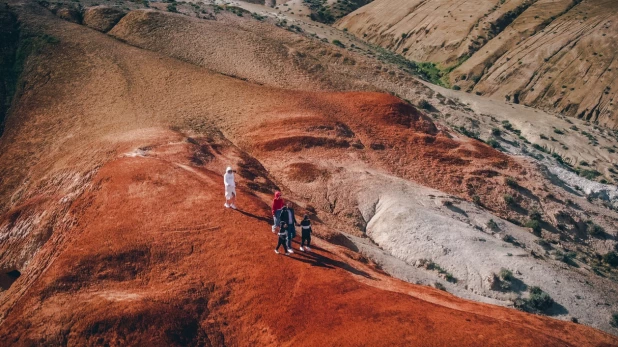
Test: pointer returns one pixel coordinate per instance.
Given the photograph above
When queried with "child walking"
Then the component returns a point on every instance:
(283, 238)
(305, 225)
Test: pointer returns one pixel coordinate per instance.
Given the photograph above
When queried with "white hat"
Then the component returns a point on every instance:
(229, 168)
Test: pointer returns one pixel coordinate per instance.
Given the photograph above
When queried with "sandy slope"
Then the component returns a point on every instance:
(555, 55)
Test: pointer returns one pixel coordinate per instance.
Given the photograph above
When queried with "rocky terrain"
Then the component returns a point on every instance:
(441, 217)
(558, 56)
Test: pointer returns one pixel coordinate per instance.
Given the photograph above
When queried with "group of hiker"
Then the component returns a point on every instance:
(284, 219)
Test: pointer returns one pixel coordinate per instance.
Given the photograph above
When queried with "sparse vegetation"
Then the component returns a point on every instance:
(505, 278)
(493, 143)
(511, 182)
(509, 199)
(491, 224)
(543, 243)
(535, 225)
(565, 257)
(476, 199)
(440, 286)
(506, 274)
(589, 174)
(424, 104)
(496, 132)
(539, 300)
(611, 258)
(594, 229)
(338, 43)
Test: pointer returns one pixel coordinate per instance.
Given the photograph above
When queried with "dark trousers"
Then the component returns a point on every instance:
(282, 242)
(306, 237)
(291, 235)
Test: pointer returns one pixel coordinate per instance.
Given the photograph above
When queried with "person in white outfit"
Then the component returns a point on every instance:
(230, 188)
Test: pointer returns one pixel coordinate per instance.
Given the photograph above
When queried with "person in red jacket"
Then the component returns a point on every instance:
(276, 209)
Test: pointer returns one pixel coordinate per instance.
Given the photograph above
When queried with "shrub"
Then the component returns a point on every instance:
(589, 174)
(565, 257)
(338, 43)
(594, 229)
(611, 259)
(440, 286)
(456, 87)
(543, 243)
(507, 125)
(491, 224)
(539, 300)
(493, 143)
(535, 214)
(424, 104)
(506, 274)
(543, 137)
(510, 181)
(172, 7)
(534, 224)
(496, 132)
(509, 199)
(558, 131)
(476, 199)
(539, 147)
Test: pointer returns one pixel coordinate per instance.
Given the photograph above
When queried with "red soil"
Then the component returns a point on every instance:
(394, 136)
(199, 274)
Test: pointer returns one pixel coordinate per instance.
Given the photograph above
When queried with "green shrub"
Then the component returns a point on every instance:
(338, 43)
(565, 257)
(506, 274)
(507, 125)
(594, 229)
(614, 320)
(476, 199)
(493, 143)
(491, 224)
(456, 87)
(589, 174)
(535, 214)
(172, 7)
(424, 104)
(539, 301)
(496, 132)
(539, 147)
(440, 286)
(535, 225)
(558, 131)
(611, 259)
(509, 199)
(511, 182)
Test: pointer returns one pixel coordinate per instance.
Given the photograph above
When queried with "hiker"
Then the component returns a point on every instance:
(305, 233)
(276, 209)
(287, 216)
(283, 238)
(230, 188)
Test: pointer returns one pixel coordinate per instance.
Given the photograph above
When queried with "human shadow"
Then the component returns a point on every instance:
(261, 218)
(456, 209)
(316, 259)
(556, 310)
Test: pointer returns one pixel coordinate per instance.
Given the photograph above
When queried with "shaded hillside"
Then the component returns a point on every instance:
(556, 55)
